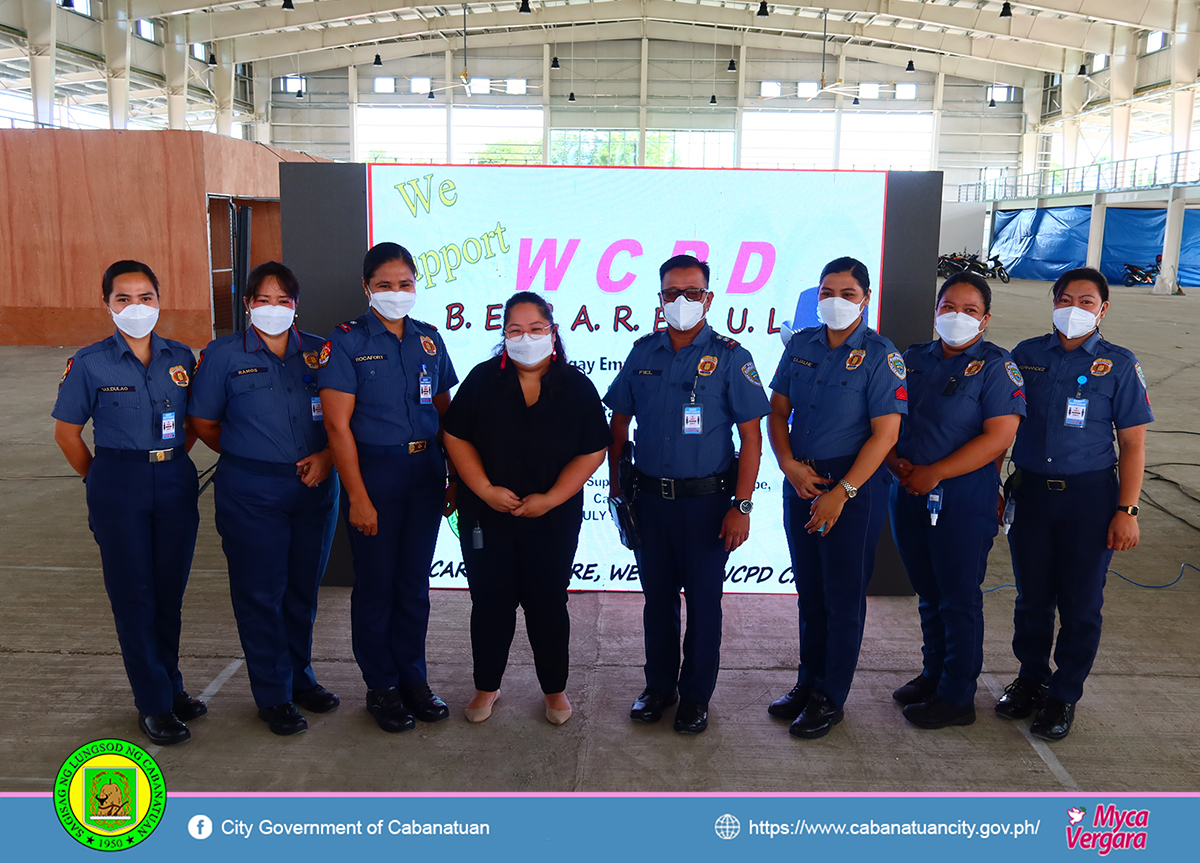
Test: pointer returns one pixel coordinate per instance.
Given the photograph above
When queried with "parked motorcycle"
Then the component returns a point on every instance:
(1135, 275)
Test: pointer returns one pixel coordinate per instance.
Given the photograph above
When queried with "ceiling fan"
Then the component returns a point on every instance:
(840, 88)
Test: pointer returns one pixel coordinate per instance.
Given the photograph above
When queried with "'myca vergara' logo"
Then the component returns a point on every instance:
(1111, 829)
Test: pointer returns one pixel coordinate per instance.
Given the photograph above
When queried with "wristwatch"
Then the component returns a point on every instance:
(851, 491)
(743, 506)
(1128, 510)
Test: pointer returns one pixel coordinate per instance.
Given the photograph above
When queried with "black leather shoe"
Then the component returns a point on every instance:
(187, 708)
(283, 719)
(818, 716)
(164, 729)
(691, 717)
(920, 688)
(1053, 721)
(1020, 699)
(387, 706)
(936, 713)
(316, 699)
(791, 705)
(650, 705)
(423, 704)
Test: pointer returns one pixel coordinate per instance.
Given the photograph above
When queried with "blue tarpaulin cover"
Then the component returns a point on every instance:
(1131, 237)
(1044, 243)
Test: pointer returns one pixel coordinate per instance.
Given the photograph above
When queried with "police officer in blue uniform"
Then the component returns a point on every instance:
(843, 387)
(385, 385)
(1073, 509)
(254, 400)
(687, 386)
(141, 488)
(963, 412)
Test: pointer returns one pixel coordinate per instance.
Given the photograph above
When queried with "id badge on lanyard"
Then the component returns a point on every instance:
(168, 425)
(1077, 407)
(317, 414)
(426, 384)
(693, 414)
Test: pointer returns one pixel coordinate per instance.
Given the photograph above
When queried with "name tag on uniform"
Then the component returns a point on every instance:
(426, 384)
(1076, 413)
(693, 419)
(168, 425)
(317, 414)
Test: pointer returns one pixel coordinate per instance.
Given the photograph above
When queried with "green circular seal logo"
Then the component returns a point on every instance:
(109, 795)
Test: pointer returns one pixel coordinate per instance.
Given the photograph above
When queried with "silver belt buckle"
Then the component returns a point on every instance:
(668, 489)
(157, 455)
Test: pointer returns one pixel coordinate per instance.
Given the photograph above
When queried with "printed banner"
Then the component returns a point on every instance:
(591, 240)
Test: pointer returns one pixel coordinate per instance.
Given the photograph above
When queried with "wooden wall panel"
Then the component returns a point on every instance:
(74, 201)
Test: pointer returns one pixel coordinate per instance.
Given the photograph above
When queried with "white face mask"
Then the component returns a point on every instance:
(837, 313)
(393, 305)
(272, 320)
(785, 332)
(957, 328)
(1074, 322)
(136, 321)
(683, 314)
(529, 351)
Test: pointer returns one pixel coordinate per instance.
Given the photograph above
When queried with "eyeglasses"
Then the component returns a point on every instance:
(670, 295)
(537, 331)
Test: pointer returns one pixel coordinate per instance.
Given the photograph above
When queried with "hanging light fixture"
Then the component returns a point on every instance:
(1006, 10)
(288, 6)
(571, 98)
(763, 12)
(713, 100)
(212, 59)
(554, 63)
(1083, 72)
(855, 102)
(378, 61)
(910, 68)
(431, 92)
(299, 94)
(992, 103)
(525, 10)
(68, 4)
(732, 65)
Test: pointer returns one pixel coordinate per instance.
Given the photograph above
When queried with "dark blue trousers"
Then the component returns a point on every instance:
(276, 533)
(1060, 555)
(144, 518)
(681, 550)
(389, 606)
(832, 573)
(525, 562)
(946, 564)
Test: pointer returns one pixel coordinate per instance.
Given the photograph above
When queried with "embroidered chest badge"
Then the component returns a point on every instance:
(707, 366)
(312, 359)
(1101, 367)
(855, 359)
(973, 368)
(429, 345)
(179, 375)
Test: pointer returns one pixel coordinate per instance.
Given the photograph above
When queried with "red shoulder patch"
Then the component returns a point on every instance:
(1018, 394)
(901, 394)
(71, 362)
(345, 327)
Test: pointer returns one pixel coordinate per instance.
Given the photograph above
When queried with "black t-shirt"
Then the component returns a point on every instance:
(525, 448)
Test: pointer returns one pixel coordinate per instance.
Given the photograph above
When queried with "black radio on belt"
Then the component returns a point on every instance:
(620, 506)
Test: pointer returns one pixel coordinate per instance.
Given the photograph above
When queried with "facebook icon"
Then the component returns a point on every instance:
(200, 826)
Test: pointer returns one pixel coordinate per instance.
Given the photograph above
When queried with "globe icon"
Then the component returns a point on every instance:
(727, 826)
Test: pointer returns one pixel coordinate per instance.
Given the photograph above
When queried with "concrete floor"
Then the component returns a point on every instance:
(1136, 729)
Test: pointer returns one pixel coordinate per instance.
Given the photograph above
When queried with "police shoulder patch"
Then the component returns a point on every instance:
(346, 325)
(1137, 367)
(323, 356)
(751, 374)
(728, 342)
(647, 336)
(896, 364)
(1014, 374)
(71, 362)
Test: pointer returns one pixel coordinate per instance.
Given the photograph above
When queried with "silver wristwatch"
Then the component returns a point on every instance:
(851, 491)
(744, 506)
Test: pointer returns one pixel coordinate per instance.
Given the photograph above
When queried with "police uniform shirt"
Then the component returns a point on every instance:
(128, 402)
(268, 407)
(525, 448)
(384, 375)
(1115, 390)
(949, 398)
(835, 393)
(656, 384)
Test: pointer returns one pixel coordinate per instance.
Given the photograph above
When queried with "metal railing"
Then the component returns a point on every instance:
(1148, 172)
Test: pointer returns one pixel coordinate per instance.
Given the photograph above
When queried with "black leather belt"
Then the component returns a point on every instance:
(154, 455)
(1088, 479)
(670, 489)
